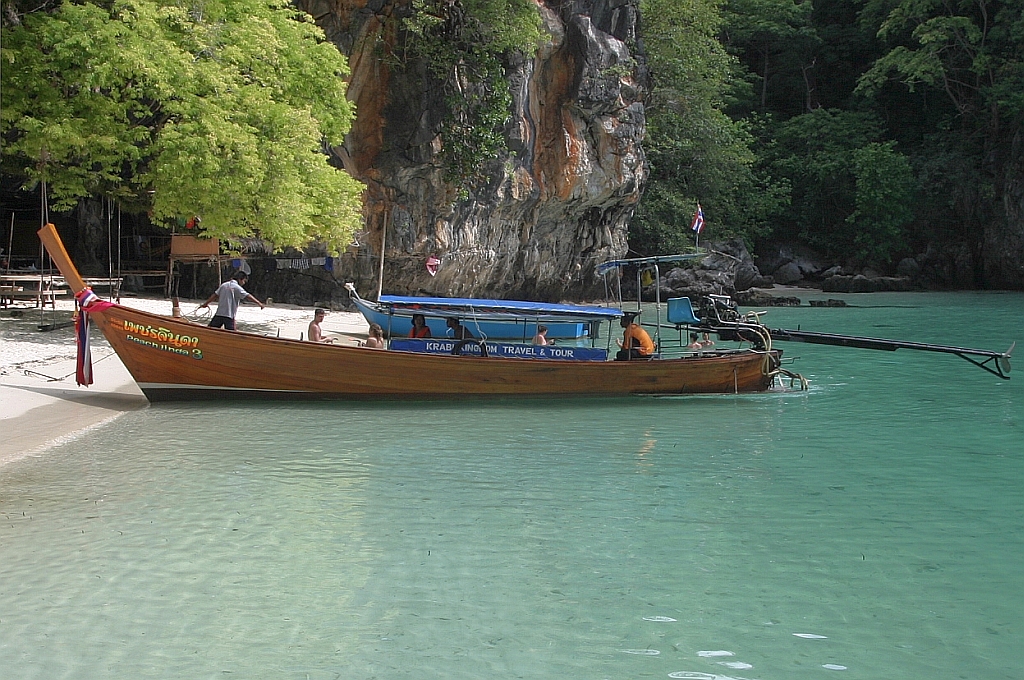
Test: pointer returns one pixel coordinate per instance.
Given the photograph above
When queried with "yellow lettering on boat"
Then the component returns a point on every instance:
(161, 338)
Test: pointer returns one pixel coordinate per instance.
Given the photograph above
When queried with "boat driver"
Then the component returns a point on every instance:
(635, 343)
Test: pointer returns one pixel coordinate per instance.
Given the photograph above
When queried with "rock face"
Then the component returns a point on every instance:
(864, 284)
(556, 206)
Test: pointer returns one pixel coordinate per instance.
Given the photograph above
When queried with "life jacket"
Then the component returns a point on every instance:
(419, 332)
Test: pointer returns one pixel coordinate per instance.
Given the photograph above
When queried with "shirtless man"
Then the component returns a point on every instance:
(542, 336)
(315, 334)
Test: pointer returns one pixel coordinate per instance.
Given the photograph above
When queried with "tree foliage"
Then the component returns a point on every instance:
(465, 44)
(696, 152)
(776, 40)
(852, 191)
(222, 109)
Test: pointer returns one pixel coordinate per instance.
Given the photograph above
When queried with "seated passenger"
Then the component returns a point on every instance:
(419, 329)
(315, 334)
(635, 343)
(375, 340)
(459, 332)
(542, 336)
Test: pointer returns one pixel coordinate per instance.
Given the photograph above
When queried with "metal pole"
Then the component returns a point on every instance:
(383, 240)
(119, 277)
(10, 244)
(657, 305)
(110, 253)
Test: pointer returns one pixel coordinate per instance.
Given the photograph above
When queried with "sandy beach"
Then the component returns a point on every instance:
(40, 403)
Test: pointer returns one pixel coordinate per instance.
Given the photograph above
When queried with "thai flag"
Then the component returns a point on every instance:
(86, 300)
(83, 367)
(698, 220)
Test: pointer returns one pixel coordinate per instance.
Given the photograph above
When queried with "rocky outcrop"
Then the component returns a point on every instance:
(727, 270)
(865, 284)
(554, 207)
(789, 264)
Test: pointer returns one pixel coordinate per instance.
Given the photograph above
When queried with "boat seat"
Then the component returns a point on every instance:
(680, 312)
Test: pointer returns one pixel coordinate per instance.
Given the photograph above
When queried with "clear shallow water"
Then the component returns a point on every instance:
(880, 514)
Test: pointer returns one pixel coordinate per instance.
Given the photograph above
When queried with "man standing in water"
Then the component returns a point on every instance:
(229, 295)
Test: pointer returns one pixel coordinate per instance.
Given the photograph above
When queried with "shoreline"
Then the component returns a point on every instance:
(41, 406)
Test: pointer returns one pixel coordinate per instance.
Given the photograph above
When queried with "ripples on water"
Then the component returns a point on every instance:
(868, 528)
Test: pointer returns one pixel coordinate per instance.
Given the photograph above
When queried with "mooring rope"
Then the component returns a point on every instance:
(49, 378)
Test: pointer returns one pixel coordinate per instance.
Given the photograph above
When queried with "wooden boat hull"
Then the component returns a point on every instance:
(173, 359)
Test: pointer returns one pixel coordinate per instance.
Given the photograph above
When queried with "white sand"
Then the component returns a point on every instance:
(40, 404)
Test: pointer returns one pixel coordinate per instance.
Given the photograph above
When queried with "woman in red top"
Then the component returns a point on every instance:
(419, 329)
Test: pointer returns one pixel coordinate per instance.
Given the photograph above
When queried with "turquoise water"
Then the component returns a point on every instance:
(870, 527)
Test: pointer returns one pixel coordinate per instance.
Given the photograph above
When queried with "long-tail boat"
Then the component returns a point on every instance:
(172, 359)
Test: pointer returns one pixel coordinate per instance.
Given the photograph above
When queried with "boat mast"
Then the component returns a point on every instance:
(383, 240)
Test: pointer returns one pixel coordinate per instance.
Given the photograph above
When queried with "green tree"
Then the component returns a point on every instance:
(219, 108)
(885, 189)
(775, 39)
(465, 45)
(696, 152)
(959, 66)
(852, 191)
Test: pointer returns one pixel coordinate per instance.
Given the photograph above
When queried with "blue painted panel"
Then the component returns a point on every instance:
(505, 350)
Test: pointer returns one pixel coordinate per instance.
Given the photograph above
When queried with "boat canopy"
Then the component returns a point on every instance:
(484, 309)
(606, 267)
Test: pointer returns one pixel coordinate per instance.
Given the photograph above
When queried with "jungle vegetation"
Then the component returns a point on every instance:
(225, 109)
(865, 128)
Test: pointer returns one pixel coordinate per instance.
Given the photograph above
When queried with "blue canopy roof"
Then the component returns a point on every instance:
(497, 308)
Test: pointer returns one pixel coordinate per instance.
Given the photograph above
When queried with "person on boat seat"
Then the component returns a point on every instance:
(542, 336)
(375, 339)
(419, 329)
(229, 295)
(315, 334)
(635, 343)
(459, 332)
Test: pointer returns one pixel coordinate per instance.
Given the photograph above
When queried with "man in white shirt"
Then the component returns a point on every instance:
(229, 295)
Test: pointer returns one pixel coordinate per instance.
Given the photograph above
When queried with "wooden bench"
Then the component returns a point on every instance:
(41, 298)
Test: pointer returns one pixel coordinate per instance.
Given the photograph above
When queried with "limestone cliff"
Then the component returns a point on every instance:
(553, 208)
